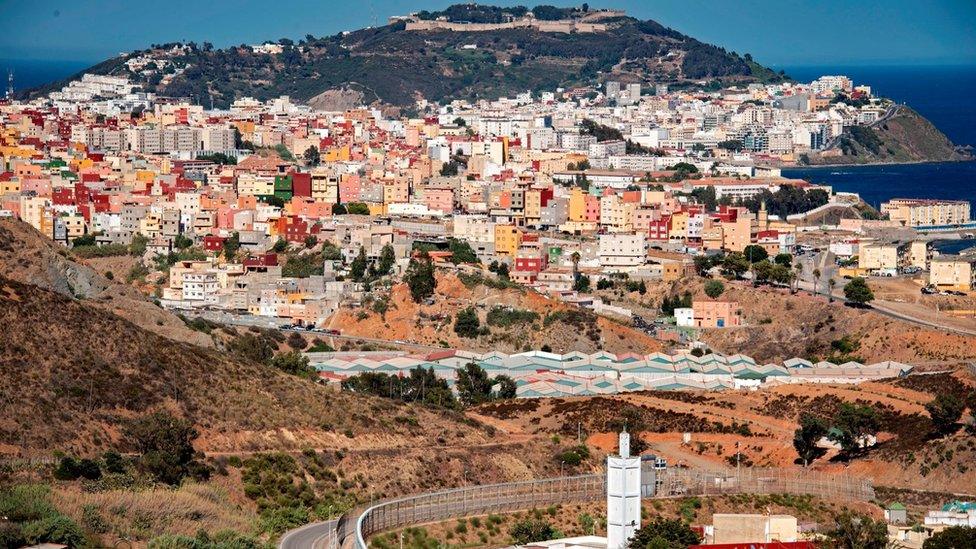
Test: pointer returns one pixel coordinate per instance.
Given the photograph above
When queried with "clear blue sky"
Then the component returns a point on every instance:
(776, 32)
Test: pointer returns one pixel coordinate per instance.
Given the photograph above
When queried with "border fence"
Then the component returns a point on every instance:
(354, 528)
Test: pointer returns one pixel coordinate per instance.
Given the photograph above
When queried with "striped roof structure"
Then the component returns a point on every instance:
(543, 374)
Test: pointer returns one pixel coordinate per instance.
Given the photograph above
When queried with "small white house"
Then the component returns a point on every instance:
(685, 317)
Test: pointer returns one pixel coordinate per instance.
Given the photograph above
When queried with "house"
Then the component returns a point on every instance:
(896, 513)
(708, 313)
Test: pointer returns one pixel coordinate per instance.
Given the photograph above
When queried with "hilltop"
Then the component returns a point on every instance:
(397, 64)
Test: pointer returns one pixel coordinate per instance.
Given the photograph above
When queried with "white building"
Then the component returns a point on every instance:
(623, 495)
(622, 250)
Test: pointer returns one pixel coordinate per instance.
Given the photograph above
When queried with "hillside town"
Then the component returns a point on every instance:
(555, 192)
(274, 214)
(476, 277)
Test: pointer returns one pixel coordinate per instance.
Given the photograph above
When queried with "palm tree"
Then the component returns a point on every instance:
(799, 271)
(831, 283)
(816, 281)
(575, 258)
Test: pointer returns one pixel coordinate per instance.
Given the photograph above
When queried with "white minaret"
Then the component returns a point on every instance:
(623, 495)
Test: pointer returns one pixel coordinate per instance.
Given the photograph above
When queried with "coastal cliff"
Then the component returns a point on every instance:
(901, 136)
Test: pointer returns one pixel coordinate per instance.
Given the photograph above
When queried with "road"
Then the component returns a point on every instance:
(311, 536)
(224, 317)
(824, 261)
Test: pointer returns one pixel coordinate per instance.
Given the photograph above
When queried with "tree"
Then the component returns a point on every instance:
(387, 260)
(231, 245)
(582, 284)
(506, 387)
(755, 253)
(575, 258)
(420, 277)
(165, 445)
(311, 156)
(449, 169)
(857, 292)
(830, 288)
(664, 533)
(604, 284)
(529, 530)
(816, 280)
(714, 288)
(856, 531)
(783, 259)
(852, 424)
(734, 265)
(466, 324)
(358, 266)
(473, 385)
(953, 537)
(280, 245)
(945, 410)
(311, 240)
(294, 363)
(338, 209)
(805, 438)
(461, 251)
(357, 208)
(252, 347)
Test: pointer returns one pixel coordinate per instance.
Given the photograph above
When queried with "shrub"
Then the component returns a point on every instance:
(529, 530)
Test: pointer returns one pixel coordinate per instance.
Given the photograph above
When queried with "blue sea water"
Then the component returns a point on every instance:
(943, 94)
(29, 73)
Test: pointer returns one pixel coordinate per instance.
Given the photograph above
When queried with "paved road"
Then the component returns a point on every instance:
(311, 536)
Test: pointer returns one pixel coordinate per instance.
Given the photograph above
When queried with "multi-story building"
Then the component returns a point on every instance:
(952, 272)
(913, 212)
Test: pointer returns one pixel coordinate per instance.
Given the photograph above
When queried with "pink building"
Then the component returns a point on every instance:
(440, 199)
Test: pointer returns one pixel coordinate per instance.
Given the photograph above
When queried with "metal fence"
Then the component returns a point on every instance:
(355, 527)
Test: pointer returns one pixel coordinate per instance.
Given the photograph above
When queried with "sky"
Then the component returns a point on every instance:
(775, 32)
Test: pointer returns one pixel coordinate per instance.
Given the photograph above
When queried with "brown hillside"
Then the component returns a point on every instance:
(568, 328)
(27, 256)
(73, 372)
(762, 423)
(781, 326)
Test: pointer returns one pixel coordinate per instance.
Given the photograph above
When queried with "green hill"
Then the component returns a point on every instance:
(392, 65)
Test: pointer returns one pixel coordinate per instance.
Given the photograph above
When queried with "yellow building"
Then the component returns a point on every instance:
(508, 238)
(952, 272)
(577, 205)
(878, 257)
(533, 206)
(913, 212)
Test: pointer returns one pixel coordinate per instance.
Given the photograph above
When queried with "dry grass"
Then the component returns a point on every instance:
(142, 515)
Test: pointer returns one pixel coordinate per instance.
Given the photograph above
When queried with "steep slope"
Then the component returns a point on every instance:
(73, 373)
(27, 256)
(901, 136)
(512, 320)
(397, 66)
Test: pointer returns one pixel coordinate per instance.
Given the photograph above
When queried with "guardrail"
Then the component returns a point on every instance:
(517, 496)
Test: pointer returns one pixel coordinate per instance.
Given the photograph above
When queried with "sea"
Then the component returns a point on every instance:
(943, 94)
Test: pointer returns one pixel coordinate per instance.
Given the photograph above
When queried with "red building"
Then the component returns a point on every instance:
(213, 243)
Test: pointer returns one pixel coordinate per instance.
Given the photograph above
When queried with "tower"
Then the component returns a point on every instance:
(763, 216)
(623, 495)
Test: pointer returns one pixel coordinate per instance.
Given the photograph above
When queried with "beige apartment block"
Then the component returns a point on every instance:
(878, 257)
(952, 272)
(913, 212)
(736, 528)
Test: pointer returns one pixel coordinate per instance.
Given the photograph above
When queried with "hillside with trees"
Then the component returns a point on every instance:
(389, 64)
